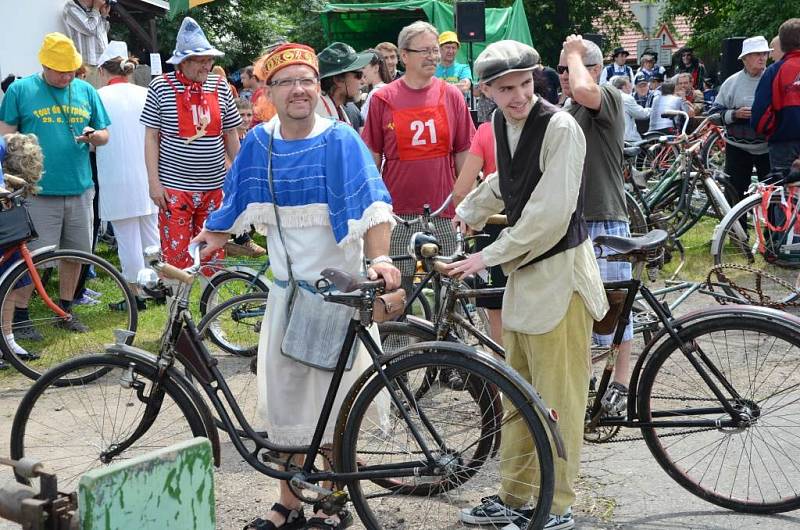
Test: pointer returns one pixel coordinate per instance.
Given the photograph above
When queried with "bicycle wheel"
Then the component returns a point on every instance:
(397, 335)
(235, 326)
(42, 333)
(460, 433)
(753, 467)
(226, 285)
(737, 242)
(72, 428)
(712, 153)
(636, 218)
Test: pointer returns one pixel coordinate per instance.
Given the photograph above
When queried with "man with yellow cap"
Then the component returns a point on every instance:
(449, 69)
(67, 116)
(312, 185)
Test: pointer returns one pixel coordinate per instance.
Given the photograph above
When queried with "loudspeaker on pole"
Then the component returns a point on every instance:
(730, 64)
(471, 21)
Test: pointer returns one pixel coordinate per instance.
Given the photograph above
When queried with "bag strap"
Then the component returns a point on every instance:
(292, 282)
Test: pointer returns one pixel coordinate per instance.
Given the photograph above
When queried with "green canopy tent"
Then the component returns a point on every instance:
(365, 25)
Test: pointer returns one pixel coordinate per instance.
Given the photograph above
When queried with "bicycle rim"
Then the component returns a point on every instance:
(69, 427)
(467, 421)
(236, 324)
(752, 467)
(738, 244)
(226, 285)
(42, 333)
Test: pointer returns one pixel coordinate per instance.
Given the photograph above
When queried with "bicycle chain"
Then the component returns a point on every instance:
(746, 293)
(618, 439)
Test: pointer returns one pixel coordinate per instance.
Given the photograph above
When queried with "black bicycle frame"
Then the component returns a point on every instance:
(696, 357)
(356, 331)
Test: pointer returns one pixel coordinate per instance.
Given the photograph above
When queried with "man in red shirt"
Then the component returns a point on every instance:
(419, 131)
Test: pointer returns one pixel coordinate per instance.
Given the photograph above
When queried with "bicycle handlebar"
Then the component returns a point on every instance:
(675, 113)
(182, 275)
(425, 214)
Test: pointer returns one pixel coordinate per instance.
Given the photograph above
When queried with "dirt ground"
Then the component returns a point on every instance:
(621, 485)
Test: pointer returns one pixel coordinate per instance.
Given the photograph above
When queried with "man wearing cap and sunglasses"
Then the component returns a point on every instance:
(341, 80)
(744, 147)
(449, 69)
(599, 111)
(191, 125)
(339, 215)
(648, 66)
(67, 116)
(554, 289)
(617, 66)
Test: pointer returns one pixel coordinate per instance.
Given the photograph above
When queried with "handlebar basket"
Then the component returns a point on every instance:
(15, 223)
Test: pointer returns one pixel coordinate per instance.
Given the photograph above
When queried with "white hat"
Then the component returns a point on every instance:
(115, 48)
(192, 41)
(755, 45)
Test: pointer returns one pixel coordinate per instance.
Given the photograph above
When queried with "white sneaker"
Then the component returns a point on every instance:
(15, 348)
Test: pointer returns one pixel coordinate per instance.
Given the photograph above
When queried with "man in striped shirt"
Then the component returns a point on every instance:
(191, 120)
(87, 25)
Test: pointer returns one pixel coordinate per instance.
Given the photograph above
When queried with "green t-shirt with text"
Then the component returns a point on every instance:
(56, 116)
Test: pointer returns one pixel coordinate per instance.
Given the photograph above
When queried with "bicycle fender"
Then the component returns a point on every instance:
(14, 265)
(141, 356)
(701, 315)
(549, 415)
(716, 238)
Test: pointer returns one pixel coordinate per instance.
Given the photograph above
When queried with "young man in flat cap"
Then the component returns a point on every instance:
(554, 290)
(341, 213)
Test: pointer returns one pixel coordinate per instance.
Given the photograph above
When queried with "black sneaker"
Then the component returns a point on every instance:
(554, 522)
(72, 324)
(451, 378)
(122, 305)
(615, 400)
(491, 510)
(26, 331)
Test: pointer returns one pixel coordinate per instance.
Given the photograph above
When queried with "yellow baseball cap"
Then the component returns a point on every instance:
(59, 53)
(448, 36)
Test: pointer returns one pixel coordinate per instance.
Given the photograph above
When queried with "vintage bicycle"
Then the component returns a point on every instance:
(394, 449)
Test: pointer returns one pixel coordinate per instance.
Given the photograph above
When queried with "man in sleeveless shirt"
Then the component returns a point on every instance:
(554, 289)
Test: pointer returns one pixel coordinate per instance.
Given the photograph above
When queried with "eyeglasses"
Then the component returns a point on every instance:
(565, 69)
(430, 52)
(358, 74)
(304, 82)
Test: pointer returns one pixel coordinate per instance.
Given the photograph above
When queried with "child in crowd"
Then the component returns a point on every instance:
(245, 109)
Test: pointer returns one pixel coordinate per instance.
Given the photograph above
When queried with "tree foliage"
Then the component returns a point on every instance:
(714, 20)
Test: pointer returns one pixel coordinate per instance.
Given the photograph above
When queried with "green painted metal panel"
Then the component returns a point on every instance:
(169, 488)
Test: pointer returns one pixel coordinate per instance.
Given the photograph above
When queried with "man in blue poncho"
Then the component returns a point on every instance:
(333, 209)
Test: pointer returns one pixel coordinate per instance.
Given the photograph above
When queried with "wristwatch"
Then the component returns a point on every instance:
(381, 259)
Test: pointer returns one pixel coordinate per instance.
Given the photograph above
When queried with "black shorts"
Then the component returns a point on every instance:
(496, 276)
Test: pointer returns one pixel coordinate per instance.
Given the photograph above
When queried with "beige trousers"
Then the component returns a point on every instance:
(557, 364)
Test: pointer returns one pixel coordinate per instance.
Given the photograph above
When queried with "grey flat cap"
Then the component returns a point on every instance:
(503, 57)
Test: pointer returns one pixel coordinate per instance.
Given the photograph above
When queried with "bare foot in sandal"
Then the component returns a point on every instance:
(280, 518)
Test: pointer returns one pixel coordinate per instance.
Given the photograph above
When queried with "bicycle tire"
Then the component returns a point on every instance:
(712, 152)
(56, 345)
(235, 324)
(378, 501)
(238, 339)
(768, 387)
(736, 242)
(69, 428)
(636, 218)
(226, 285)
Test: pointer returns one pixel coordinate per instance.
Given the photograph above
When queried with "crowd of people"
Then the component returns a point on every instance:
(318, 150)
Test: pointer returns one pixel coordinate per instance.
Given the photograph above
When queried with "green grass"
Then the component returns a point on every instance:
(697, 247)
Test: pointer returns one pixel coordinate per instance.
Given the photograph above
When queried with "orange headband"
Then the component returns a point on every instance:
(287, 55)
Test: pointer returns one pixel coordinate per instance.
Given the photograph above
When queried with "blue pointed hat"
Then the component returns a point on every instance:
(192, 41)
